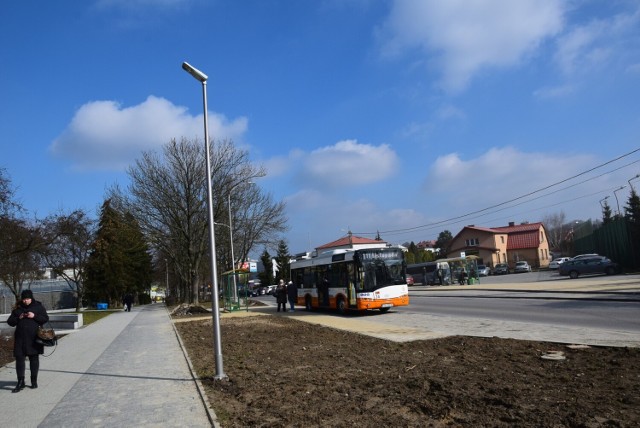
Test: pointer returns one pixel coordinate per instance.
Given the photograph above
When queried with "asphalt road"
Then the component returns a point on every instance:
(559, 310)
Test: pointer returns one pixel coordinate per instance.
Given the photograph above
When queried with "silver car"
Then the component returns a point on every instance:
(483, 270)
(522, 267)
(555, 263)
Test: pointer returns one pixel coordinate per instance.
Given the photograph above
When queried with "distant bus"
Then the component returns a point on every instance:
(427, 273)
(363, 279)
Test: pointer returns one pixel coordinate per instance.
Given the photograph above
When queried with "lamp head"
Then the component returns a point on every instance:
(199, 75)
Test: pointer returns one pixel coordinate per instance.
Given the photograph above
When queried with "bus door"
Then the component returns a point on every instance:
(323, 281)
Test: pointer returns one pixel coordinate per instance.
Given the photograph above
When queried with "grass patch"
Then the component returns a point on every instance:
(92, 316)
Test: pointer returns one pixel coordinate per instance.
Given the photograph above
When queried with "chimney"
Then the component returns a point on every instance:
(512, 223)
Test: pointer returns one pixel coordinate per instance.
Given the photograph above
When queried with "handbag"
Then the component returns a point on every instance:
(46, 336)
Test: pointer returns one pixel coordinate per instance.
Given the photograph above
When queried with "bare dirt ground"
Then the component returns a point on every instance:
(287, 373)
(284, 372)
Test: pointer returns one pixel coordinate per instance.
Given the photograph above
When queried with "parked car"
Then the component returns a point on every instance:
(246, 292)
(582, 256)
(483, 270)
(522, 267)
(501, 269)
(588, 265)
(555, 263)
(410, 279)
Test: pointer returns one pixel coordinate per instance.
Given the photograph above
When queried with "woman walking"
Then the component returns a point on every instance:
(28, 315)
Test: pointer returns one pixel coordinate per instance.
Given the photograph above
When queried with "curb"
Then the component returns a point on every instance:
(211, 414)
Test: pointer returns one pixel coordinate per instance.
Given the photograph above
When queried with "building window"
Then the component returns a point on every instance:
(502, 239)
(541, 236)
(472, 242)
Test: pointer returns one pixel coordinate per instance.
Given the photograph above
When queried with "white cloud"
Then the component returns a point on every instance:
(500, 174)
(597, 42)
(470, 35)
(348, 163)
(453, 187)
(104, 135)
(554, 91)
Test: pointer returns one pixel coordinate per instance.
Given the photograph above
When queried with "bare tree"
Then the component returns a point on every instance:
(556, 230)
(19, 261)
(19, 240)
(68, 241)
(167, 195)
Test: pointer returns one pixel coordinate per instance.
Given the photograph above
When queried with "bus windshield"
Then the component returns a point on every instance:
(380, 268)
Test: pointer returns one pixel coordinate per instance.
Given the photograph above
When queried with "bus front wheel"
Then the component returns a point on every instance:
(383, 310)
(307, 304)
(341, 306)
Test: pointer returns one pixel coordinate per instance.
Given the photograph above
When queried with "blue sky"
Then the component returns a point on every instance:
(394, 116)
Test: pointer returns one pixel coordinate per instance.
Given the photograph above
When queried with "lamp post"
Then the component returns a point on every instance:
(629, 181)
(604, 199)
(166, 287)
(202, 78)
(614, 194)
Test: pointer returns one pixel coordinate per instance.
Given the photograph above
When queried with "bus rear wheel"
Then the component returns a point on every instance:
(383, 310)
(341, 306)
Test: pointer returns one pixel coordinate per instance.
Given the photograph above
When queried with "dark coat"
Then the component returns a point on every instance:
(292, 291)
(27, 328)
(281, 294)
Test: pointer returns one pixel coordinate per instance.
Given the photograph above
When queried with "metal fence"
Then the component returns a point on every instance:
(613, 240)
(53, 294)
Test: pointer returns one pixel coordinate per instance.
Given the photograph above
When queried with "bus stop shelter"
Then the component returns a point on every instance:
(239, 300)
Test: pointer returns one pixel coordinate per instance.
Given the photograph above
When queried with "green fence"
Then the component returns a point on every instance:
(613, 240)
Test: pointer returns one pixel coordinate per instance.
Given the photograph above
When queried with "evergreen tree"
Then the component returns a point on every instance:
(266, 277)
(606, 213)
(632, 214)
(119, 262)
(105, 268)
(139, 263)
(283, 258)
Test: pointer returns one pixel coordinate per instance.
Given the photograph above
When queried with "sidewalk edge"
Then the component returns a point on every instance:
(211, 414)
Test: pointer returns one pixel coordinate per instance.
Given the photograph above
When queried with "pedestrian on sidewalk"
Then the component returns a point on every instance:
(127, 301)
(281, 296)
(26, 317)
(292, 294)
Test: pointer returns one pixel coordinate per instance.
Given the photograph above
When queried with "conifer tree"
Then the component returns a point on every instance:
(606, 213)
(283, 259)
(266, 277)
(632, 214)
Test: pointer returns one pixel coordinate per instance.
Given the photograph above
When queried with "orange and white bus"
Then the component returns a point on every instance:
(345, 279)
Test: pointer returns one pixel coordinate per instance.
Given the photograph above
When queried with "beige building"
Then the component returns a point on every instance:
(506, 244)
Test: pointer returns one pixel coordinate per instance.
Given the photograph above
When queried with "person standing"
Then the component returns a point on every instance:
(292, 294)
(128, 301)
(27, 316)
(281, 296)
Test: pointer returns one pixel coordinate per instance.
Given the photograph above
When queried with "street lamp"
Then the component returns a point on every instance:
(604, 199)
(166, 287)
(202, 78)
(614, 194)
(632, 178)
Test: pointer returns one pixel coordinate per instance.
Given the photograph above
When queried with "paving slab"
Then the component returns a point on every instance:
(127, 369)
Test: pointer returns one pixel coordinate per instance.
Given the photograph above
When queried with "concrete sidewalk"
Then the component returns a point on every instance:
(127, 369)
